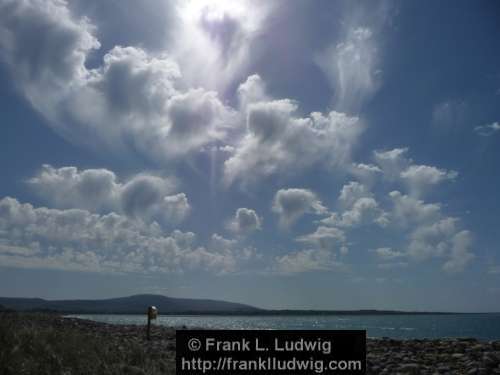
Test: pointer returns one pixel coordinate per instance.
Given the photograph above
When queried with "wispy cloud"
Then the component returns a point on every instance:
(488, 129)
(352, 64)
(494, 270)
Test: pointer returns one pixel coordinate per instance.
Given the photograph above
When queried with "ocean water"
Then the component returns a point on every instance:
(480, 326)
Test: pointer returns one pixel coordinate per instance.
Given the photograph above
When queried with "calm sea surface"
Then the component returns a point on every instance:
(480, 326)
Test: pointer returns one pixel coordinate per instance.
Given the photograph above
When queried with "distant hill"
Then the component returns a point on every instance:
(136, 304)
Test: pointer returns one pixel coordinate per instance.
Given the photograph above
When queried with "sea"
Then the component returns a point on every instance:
(480, 326)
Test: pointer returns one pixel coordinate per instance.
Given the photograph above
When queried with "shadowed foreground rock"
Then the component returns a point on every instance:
(50, 344)
(445, 356)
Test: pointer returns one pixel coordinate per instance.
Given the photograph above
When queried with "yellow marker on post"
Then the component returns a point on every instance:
(152, 314)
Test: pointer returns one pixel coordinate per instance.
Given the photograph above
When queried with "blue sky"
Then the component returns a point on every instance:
(286, 154)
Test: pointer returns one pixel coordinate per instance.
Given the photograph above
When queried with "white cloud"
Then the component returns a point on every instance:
(351, 192)
(227, 148)
(431, 234)
(162, 107)
(245, 221)
(291, 204)
(134, 101)
(352, 63)
(218, 37)
(325, 238)
(488, 129)
(358, 207)
(364, 210)
(175, 207)
(461, 254)
(234, 256)
(305, 261)
(142, 102)
(66, 187)
(420, 178)
(366, 173)
(392, 162)
(351, 67)
(44, 44)
(277, 142)
(75, 239)
(253, 90)
(32, 249)
(221, 243)
(143, 196)
(388, 253)
(396, 166)
(432, 239)
(148, 197)
(409, 210)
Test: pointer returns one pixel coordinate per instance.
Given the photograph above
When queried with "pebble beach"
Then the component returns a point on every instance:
(132, 353)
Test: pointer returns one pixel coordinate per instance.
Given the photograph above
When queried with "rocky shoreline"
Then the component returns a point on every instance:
(444, 356)
(384, 356)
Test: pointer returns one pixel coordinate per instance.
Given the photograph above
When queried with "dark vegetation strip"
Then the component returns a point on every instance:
(35, 343)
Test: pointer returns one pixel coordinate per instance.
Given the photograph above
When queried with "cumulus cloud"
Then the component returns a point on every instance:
(277, 141)
(66, 187)
(253, 90)
(146, 197)
(358, 207)
(409, 210)
(160, 105)
(307, 260)
(352, 192)
(419, 178)
(488, 129)
(132, 101)
(366, 173)
(397, 166)
(388, 253)
(76, 239)
(432, 239)
(139, 101)
(143, 196)
(44, 44)
(392, 162)
(432, 234)
(234, 256)
(427, 231)
(245, 221)
(363, 211)
(291, 204)
(461, 254)
(325, 238)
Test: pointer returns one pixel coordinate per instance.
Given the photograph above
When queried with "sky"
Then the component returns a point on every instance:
(284, 154)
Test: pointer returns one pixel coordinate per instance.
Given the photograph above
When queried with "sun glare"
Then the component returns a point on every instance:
(211, 10)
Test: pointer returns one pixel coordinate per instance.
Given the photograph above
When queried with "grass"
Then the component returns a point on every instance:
(28, 345)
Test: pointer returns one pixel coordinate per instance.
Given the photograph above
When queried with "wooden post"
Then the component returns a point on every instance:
(152, 314)
(149, 324)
